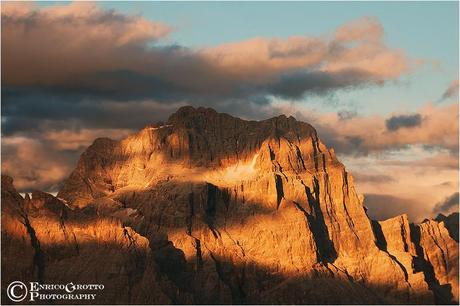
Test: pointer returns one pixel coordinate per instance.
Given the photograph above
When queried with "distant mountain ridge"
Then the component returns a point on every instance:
(212, 209)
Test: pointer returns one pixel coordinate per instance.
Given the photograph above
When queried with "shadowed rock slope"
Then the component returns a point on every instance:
(224, 211)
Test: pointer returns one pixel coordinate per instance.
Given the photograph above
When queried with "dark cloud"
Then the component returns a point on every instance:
(447, 204)
(78, 71)
(75, 61)
(294, 85)
(403, 121)
(31, 110)
(345, 115)
(451, 91)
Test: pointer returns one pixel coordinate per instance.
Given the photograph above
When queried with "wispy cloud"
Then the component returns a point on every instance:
(394, 186)
(451, 91)
(35, 165)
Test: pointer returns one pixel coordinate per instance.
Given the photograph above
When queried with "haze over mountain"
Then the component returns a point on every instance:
(210, 208)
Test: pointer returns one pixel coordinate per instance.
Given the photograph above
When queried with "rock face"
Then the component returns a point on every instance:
(227, 211)
(43, 240)
(451, 223)
(441, 252)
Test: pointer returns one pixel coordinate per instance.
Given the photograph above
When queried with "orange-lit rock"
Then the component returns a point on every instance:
(394, 237)
(48, 246)
(441, 253)
(234, 211)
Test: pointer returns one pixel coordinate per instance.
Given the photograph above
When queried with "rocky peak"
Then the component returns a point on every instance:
(451, 223)
(203, 120)
(7, 183)
(277, 163)
(10, 197)
(189, 115)
(240, 211)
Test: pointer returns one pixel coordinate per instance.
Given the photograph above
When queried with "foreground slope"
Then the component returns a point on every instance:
(235, 211)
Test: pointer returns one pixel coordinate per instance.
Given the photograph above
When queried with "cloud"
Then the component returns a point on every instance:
(417, 190)
(385, 206)
(345, 115)
(49, 46)
(366, 28)
(34, 165)
(356, 46)
(394, 123)
(42, 160)
(77, 64)
(413, 177)
(439, 161)
(79, 57)
(295, 85)
(74, 140)
(448, 205)
(451, 91)
(74, 72)
(56, 113)
(368, 134)
(373, 178)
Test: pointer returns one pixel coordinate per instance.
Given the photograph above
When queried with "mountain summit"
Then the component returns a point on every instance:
(212, 209)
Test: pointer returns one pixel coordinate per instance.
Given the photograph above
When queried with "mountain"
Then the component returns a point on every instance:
(211, 209)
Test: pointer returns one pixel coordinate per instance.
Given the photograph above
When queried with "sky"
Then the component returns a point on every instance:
(378, 80)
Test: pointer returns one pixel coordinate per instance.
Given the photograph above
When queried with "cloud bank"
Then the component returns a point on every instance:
(75, 72)
(77, 57)
(433, 125)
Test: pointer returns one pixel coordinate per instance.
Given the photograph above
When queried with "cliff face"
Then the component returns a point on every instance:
(43, 240)
(234, 211)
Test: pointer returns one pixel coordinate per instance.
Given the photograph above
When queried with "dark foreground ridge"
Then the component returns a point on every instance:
(211, 209)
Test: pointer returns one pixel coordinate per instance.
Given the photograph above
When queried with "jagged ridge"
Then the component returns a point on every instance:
(242, 211)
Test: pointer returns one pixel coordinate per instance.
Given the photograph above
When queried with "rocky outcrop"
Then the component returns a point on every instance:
(451, 224)
(440, 252)
(45, 241)
(236, 211)
(427, 254)
(394, 237)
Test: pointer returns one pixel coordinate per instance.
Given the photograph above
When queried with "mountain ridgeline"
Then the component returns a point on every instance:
(211, 209)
